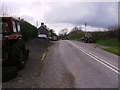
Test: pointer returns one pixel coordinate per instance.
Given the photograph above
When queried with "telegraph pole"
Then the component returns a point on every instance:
(85, 26)
(36, 23)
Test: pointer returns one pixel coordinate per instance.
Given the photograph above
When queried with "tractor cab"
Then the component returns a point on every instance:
(87, 38)
(10, 29)
(10, 25)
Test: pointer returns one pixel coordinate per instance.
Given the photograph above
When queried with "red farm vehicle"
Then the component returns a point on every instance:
(14, 52)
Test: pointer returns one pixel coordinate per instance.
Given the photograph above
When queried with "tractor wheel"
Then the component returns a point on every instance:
(17, 54)
(9, 70)
(5, 53)
(9, 73)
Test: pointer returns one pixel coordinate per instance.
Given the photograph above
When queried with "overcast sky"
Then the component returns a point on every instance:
(62, 14)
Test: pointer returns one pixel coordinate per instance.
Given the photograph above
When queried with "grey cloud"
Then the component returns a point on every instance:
(98, 14)
(28, 18)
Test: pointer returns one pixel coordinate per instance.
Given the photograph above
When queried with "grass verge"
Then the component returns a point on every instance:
(113, 46)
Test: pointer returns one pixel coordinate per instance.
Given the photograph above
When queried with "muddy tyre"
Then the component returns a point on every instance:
(9, 73)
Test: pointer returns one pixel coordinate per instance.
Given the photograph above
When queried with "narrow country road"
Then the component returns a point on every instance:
(68, 64)
(75, 64)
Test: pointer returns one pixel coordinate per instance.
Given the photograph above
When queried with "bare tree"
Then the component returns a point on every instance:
(5, 9)
(63, 33)
(51, 32)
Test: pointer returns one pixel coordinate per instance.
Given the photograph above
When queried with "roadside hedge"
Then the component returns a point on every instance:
(28, 31)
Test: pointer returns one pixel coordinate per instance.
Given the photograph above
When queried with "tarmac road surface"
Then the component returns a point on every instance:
(79, 65)
(73, 64)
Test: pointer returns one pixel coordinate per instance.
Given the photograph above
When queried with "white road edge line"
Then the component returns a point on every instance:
(95, 58)
(100, 59)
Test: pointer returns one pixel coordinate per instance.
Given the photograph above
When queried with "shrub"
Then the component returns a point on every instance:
(28, 31)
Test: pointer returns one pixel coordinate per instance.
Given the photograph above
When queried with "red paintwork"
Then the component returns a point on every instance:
(12, 35)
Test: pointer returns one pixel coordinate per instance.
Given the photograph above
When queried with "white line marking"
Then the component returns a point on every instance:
(110, 66)
(43, 56)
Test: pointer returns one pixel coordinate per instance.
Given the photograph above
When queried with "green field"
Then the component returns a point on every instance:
(113, 46)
